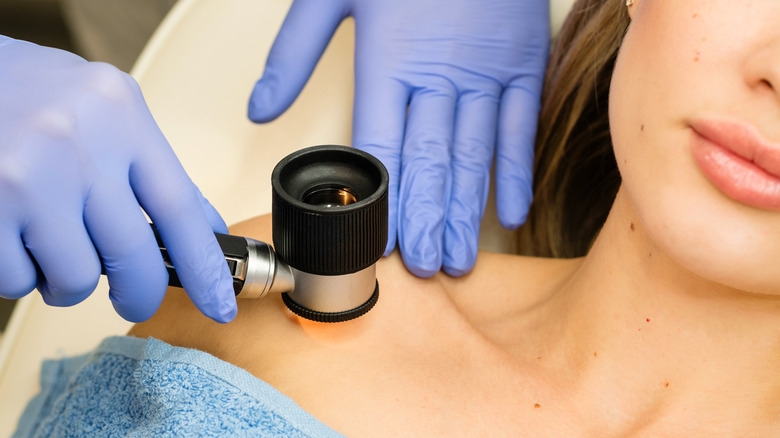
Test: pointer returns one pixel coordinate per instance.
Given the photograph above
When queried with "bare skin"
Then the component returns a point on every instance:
(432, 352)
(521, 345)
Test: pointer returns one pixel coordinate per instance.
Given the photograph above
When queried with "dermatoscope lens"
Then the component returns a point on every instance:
(330, 196)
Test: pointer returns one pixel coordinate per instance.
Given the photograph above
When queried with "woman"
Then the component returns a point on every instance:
(667, 327)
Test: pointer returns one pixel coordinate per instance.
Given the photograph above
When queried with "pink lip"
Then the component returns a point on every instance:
(739, 162)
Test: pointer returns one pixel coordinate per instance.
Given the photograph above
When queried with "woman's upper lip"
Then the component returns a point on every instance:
(743, 140)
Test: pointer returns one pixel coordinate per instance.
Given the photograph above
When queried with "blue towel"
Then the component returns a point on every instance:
(145, 387)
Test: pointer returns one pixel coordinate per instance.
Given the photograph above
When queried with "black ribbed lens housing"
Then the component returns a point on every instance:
(330, 210)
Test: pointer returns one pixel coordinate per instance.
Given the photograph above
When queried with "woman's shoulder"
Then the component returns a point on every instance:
(418, 339)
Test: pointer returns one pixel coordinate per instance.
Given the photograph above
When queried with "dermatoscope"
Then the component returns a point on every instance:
(329, 216)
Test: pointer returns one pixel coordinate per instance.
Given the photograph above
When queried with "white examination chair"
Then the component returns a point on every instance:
(196, 74)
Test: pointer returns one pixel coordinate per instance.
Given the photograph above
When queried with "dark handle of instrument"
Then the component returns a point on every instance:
(233, 247)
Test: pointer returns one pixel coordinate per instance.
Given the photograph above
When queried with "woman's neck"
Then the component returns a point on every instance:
(643, 334)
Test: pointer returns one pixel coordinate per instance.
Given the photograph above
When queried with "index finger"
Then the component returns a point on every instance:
(171, 200)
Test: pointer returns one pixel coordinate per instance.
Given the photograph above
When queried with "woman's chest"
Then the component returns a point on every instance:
(440, 385)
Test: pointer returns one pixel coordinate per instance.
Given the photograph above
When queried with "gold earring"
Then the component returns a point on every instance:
(629, 3)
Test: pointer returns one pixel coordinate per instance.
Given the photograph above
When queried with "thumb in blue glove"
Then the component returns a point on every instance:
(81, 158)
(442, 89)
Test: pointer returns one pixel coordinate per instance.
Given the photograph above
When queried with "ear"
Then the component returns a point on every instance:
(631, 5)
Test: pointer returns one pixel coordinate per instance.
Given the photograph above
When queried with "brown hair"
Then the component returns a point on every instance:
(575, 174)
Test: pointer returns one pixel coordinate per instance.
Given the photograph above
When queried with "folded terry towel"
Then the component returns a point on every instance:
(145, 387)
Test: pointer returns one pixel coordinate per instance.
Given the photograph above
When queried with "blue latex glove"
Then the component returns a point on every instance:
(80, 155)
(470, 73)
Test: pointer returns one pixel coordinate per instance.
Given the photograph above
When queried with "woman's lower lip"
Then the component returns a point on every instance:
(735, 176)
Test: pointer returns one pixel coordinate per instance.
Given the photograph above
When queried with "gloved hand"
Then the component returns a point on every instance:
(470, 72)
(80, 155)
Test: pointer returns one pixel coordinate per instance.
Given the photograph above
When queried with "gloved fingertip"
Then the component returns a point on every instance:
(226, 307)
(266, 102)
(135, 314)
(19, 286)
(420, 252)
(61, 300)
(512, 215)
(457, 272)
(70, 294)
(460, 261)
(422, 262)
(514, 222)
(419, 265)
(15, 294)
(421, 272)
(227, 313)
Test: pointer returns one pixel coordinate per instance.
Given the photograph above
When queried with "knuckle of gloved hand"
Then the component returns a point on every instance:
(476, 168)
(14, 180)
(109, 82)
(441, 83)
(23, 186)
(54, 122)
(45, 159)
(431, 144)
